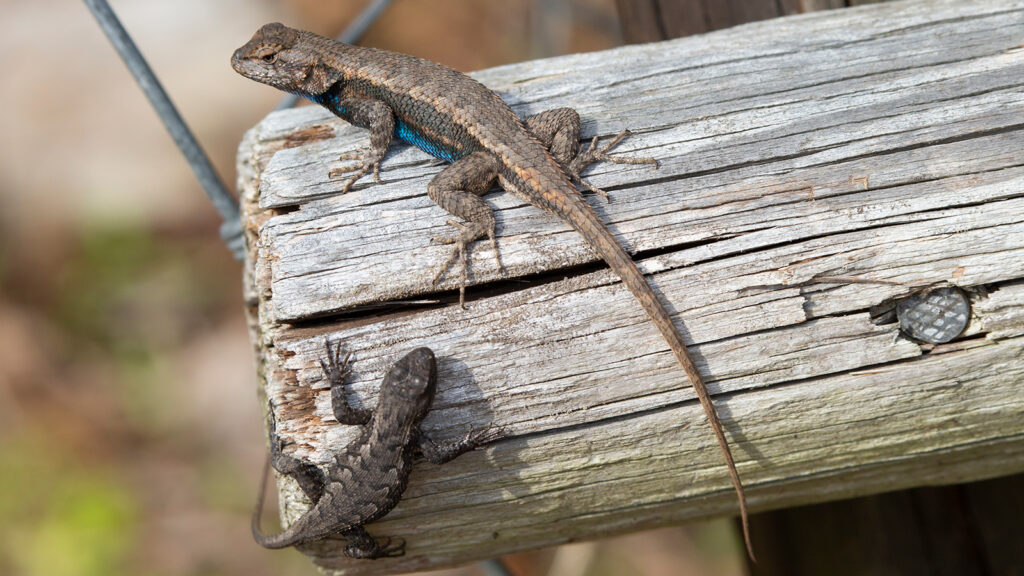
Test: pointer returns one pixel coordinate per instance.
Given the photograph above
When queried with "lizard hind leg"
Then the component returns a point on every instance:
(442, 452)
(593, 154)
(457, 189)
(362, 545)
(559, 131)
(309, 476)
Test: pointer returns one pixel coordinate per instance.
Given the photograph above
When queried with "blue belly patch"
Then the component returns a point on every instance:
(417, 139)
(331, 100)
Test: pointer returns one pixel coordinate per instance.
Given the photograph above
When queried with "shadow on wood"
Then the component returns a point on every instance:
(881, 143)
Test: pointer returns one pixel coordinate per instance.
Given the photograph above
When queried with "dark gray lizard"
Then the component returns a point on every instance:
(455, 118)
(366, 480)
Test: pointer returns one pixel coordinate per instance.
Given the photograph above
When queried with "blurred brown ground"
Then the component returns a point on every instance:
(130, 433)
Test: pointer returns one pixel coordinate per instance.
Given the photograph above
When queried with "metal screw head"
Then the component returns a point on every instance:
(935, 316)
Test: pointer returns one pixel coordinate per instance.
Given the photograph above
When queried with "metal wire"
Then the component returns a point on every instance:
(223, 201)
(350, 35)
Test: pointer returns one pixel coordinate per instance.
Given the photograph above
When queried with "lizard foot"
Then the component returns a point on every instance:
(336, 368)
(468, 233)
(392, 550)
(367, 160)
(477, 438)
(593, 154)
(439, 453)
(363, 546)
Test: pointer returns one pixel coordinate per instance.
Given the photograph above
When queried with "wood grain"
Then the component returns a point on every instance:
(880, 143)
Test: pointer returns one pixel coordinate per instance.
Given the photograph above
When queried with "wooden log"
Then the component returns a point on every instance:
(880, 143)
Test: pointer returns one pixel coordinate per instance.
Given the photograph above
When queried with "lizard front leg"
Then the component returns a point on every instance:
(559, 131)
(440, 453)
(336, 370)
(380, 120)
(310, 477)
(457, 189)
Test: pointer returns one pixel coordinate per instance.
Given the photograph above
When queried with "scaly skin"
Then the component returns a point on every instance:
(366, 480)
(454, 117)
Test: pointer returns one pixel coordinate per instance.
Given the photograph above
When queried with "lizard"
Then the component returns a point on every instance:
(366, 480)
(457, 119)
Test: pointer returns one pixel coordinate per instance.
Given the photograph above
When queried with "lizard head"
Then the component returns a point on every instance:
(410, 384)
(275, 56)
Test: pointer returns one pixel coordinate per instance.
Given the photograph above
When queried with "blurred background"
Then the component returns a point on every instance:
(130, 431)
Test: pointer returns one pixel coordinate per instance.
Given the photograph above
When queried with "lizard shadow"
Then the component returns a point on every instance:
(739, 442)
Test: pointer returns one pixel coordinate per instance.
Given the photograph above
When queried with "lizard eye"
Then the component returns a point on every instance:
(266, 53)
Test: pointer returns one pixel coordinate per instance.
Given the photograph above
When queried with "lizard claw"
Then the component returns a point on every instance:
(468, 233)
(370, 549)
(590, 187)
(367, 160)
(459, 253)
(452, 239)
(392, 550)
(476, 438)
(336, 368)
(593, 154)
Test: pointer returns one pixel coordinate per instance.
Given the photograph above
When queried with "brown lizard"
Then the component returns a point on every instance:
(453, 117)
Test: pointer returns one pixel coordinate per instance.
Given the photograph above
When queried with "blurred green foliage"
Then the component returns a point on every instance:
(59, 517)
(128, 291)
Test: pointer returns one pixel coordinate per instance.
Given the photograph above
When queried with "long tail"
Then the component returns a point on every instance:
(281, 540)
(587, 223)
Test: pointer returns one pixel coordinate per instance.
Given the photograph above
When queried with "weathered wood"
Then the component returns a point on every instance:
(880, 143)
